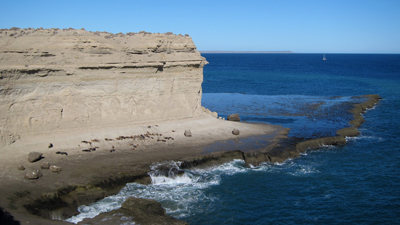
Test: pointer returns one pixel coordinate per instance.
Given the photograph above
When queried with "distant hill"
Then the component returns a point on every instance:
(271, 52)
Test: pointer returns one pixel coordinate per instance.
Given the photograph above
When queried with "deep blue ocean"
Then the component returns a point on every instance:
(355, 184)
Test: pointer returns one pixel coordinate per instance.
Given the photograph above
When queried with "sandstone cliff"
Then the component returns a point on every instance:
(54, 80)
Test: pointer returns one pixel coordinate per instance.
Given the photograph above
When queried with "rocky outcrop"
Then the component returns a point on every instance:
(61, 79)
(369, 102)
(135, 210)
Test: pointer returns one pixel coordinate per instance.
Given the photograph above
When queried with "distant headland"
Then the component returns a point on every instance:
(268, 52)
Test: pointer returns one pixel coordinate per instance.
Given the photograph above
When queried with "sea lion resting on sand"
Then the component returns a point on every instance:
(62, 153)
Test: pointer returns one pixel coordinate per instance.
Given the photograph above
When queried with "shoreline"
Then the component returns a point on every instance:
(87, 177)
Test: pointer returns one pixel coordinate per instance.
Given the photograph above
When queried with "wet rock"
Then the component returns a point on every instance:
(320, 142)
(256, 158)
(358, 120)
(188, 133)
(235, 132)
(31, 175)
(148, 211)
(21, 167)
(45, 165)
(212, 159)
(55, 168)
(166, 169)
(234, 117)
(348, 132)
(135, 210)
(34, 156)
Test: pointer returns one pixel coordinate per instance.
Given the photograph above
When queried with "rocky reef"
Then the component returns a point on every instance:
(58, 79)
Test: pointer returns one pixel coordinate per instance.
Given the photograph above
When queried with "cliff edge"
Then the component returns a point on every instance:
(59, 79)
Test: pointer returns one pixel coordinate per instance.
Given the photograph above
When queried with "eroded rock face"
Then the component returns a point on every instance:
(60, 79)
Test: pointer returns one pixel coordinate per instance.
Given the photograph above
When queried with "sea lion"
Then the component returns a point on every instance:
(62, 153)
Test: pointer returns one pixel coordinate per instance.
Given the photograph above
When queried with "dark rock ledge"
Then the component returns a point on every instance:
(64, 203)
(292, 148)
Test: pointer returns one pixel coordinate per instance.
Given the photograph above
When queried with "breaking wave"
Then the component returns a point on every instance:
(180, 191)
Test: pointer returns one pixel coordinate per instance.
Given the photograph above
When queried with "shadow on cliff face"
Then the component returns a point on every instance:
(7, 219)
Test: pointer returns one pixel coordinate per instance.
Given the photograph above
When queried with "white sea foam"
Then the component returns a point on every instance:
(176, 191)
(162, 180)
(304, 170)
(365, 137)
(290, 167)
(181, 193)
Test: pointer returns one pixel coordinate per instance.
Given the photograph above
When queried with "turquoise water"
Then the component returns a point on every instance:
(355, 184)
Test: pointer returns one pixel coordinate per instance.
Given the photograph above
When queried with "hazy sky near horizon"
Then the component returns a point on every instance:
(307, 26)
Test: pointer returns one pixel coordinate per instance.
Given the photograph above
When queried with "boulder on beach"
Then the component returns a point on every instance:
(234, 117)
(55, 168)
(235, 131)
(21, 167)
(34, 156)
(188, 133)
(45, 165)
(39, 173)
(33, 175)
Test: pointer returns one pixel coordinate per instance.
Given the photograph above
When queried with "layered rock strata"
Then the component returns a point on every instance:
(52, 80)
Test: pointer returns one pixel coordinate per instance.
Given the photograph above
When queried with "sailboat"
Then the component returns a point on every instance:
(324, 58)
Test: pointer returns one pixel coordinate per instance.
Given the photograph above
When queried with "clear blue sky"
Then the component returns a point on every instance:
(315, 26)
